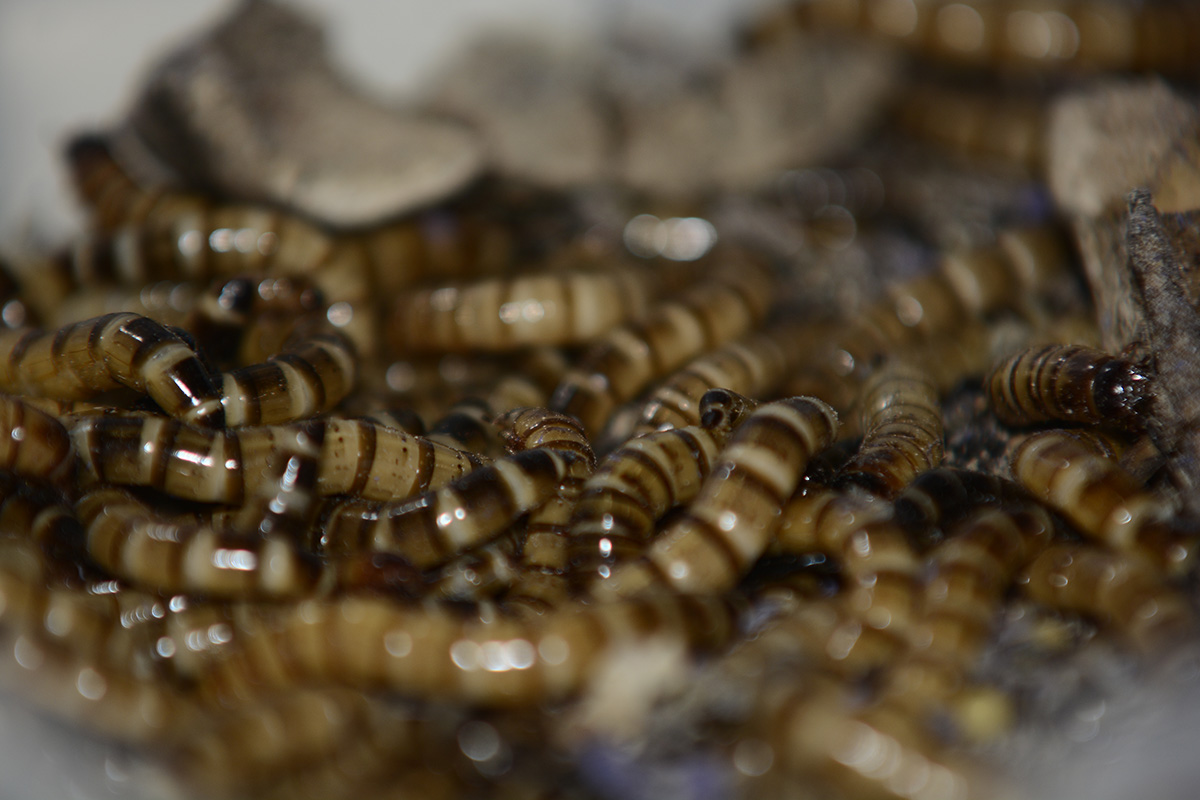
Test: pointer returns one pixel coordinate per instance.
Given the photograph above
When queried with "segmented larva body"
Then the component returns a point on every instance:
(965, 286)
(1070, 383)
(1119, 590)
(479, 574)
(938, 499)
(310, 376)
(357, 458)
(903, 434)
(468, 425)
(1076, 477)
(33, 444)
(721, 308)
(87, 358)
(432, 528)
(435, 653)
(882, 568)
(227, 317)
(1011, 128)
(541, 581)
(1018, 34)
(734, 515)
(250, 552)
(508, 313)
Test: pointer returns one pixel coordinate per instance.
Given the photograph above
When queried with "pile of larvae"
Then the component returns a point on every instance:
(486, 503)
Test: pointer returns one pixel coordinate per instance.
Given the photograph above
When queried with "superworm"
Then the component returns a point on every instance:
(504, 314)
(903, 433)
(1070, 383)
(730, 522)
(1077, 478)
(82, 360)
(357, 458)
(626, 360)
(33, 444)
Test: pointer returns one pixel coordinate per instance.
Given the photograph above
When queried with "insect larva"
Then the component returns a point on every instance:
(1008, 127)
(941, 497)
(433, 527)
(435, 653)
(225, 314)
(478, 574)
(902, 431)
(857, 530)
(33, 444)
(468, 425)
(1045, 35)
(641, 481)
(1075, 477)
(730, 522)
(503, 314)
(751, 366)
(1071, 383)
(82, 360)
(1121, 590)
(312, 374)
(357, 458)
(626, 360)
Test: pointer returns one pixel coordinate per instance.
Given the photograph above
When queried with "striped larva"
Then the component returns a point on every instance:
(1070, 383)
(541, 580)
(881, 566)
(33, 444)
(751, 366)
(624, 361)
(508, 313)
(902, 431)
(939, 498)
(1075, 476)
(433, 527)
(730, 522)
(1056, 35)
(82, 360)
(1120, 590)
(436, 653)
(357, 458)
(227, 315)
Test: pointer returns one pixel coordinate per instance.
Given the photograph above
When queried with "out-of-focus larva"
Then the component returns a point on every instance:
(468, 425)
(878, 560)
(433, 527)
(1070, 383)
(436, 652)
(87, 358)
(1121, 590)
(357, 458)
(624, 361)
(502, 314)
(733, 517)
(227, 314)
(478, 574)
(33, 444)
(1072, 474)
(939, 498)
(311, 375)
(1016, 34)
(751, 366)
(902, 431)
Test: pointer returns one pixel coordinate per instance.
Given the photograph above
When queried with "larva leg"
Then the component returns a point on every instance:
(729, 524)
(1078, 479)
(84, 359)
(902, 431)
(626, 360)
(1070, 383)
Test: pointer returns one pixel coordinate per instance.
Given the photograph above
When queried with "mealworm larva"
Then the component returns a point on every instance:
(433, 527)
(357, 458)
(1044, 35)
(478, 574)
(730, 522)
(82, 360)
(227, 309)
(857, 530)
(1104, 502)
(468, 425)
(941, 497)
(33, 444)
(751, 366)
(435, 653)
(1070, 383)
(1120, 590)
(902, 431)
(624, 361)
(503, 314)
(312, 374)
